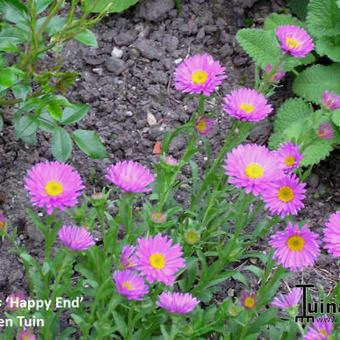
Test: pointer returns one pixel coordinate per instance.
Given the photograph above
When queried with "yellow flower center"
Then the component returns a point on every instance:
(253, 171)
(290, 160)
(53, 188)
(201, 125)
(157, 261)
(285, 194)
(199, 77)
(292, 43)
(127, 284)
(25, 337)
(295, 243)
(247, 107)
(323, 332)
(249, 302)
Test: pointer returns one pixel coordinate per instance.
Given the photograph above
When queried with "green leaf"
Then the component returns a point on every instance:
(266, 317)
(3, 61)
(336, 117)
(7, 78)
(289, 112)
(299, 8)
(13, 11)
(326, 46)
(120, 323)
(316, 152)
(21, 90)
(312, 82)
(116, 7)
(87, 37)
(1, 123)
(42, 5)
(10, 36)
(274, 20)
(323, 18)
(74, 114)
(89, 143)
(25, 125)
(61, 146)
(260, 45)
(55, 25)
(55, 110)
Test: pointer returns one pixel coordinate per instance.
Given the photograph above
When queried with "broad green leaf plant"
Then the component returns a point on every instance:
(297, 120)
(30, 94)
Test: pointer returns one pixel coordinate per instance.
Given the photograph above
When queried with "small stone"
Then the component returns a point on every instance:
(170, 42)
(116, 52)
(125, 38)
(114, 65)
(313, 180)
(239, 61)
(201, 34)
(160, 77)
(148, 49)
(226, 50)
(155, 10)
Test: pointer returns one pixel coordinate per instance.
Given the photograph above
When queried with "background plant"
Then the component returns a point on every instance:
(297, 120)
(33, 95)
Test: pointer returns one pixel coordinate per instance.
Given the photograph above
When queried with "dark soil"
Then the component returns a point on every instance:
(134, 83)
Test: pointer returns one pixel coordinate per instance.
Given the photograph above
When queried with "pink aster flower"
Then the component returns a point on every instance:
(252, 166)
(127, 258)
(130, 176)
(332, 235)
(203, 125)
(276, 77)
(25, 334)
(199, 74)
(295, 247)
(325, 131)
(158, 260)
(289, 156)
(246, 105)
(130, 284)
(331, 100)
(284, 196)
(248, 300)
(294, 40)
(179, 303)
(76, 238)
(13, 300)
(290, 300)
(53, 185)
(321, 330)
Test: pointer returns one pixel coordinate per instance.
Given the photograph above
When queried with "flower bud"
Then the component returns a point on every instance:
(192, 236)
(158, 217)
